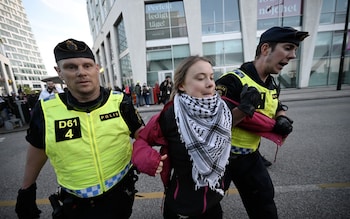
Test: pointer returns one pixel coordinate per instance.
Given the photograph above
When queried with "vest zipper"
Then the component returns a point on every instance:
(95, 154)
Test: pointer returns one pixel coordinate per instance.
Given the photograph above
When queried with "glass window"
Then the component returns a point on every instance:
(122, 42)
(337, 44)
(322, 46)
(224, 53)
(180, 52)
(327, 18)
(288, 75)
(333, 11)
(341, 5)
(125, 69)
(326, 62)
(328, 6)
(164, 58)
(165, 20)
(279, 13)
(220, 16)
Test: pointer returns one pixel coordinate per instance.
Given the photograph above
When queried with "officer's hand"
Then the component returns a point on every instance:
(250, 100)
(283, 125)
(26, 207)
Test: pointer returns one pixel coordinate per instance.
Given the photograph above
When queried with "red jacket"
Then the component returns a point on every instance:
(260, 125)
(144, 157)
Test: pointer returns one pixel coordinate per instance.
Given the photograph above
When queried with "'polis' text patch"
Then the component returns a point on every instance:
(109, 116)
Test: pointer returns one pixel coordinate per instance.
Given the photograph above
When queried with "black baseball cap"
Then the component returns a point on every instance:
(72, 48)
(283, 35)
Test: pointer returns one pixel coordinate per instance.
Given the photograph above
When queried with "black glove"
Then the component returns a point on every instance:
(26, 207)
(283, 125)
(250, 100)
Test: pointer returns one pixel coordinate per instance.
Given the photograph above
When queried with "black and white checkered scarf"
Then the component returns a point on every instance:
(204, 125)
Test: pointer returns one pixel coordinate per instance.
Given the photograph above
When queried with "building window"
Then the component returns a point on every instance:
(220, 16)
(224, 53)
(165, 20)
(125, 69)
(122, 42)
(279, 13)
(333, 11)
(326, 62)
(165, 58)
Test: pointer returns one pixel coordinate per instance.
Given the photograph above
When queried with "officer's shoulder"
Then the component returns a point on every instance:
(51, 97)
(225, 78)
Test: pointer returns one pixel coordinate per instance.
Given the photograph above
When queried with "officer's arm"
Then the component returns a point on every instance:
(131, 116)
(26, 199)
(36, 158)
(136, 135)
(230, 87)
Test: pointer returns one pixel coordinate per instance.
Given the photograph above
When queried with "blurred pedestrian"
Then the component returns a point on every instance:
(165, 89)
(146, 93)
(138, 94)
(50, 90)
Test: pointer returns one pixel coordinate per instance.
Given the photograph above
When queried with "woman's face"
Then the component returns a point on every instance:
(199, 80)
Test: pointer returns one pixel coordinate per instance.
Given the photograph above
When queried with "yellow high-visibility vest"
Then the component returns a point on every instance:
(241, 138)
(87, 150)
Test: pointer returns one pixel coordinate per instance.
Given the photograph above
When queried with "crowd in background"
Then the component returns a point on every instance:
(143, 95)
(10, 106)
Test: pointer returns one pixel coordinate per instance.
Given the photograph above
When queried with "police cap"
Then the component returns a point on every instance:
(283, 35)
(72, 48)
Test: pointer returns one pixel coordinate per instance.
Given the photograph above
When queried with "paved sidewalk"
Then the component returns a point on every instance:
(287, 95)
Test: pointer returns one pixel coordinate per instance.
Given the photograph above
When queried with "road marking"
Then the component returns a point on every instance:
(2, 139)
(232, 191)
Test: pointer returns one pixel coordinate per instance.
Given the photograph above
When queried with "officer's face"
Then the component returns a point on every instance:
(280, 57)
(81, 76)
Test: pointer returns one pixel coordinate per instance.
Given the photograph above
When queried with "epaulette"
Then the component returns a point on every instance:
(239, 73)
(49, 98)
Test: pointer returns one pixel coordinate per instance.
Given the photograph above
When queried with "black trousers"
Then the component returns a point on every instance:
(253, 183)
(114, 204)
(213, 213)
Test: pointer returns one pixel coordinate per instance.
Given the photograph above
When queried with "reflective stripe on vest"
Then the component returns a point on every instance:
(96, 190)
(245, 142)
(87, 149)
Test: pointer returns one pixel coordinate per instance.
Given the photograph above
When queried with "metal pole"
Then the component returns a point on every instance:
(341, 66)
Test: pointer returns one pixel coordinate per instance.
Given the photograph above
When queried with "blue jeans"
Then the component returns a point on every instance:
(138, 100)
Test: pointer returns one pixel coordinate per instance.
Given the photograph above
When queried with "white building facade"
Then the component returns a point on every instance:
(26, 68)
(143, 41)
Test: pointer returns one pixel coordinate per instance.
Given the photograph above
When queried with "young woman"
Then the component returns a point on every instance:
(194, 129)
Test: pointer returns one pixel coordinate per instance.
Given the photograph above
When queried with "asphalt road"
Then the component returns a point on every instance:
(311, 174)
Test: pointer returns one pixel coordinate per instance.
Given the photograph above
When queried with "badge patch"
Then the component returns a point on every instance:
(222, 90)
(67, 129)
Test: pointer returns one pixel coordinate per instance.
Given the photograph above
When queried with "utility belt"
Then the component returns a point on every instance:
(64, 203)
(234, 156)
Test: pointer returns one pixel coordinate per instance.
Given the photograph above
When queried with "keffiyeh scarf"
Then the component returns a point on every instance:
(204, 125)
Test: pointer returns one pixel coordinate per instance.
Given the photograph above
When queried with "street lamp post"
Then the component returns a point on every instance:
(341, 65)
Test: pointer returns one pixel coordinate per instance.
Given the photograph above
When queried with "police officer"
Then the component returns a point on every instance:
(85, 132)
(277, 46)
